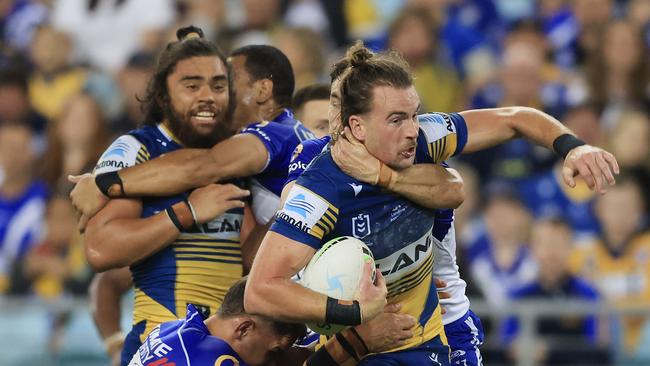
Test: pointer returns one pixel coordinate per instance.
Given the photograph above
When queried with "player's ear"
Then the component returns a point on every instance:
(244, 328)
(357, 127)
(263, 90)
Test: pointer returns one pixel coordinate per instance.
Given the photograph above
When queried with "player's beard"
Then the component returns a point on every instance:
(183, 130)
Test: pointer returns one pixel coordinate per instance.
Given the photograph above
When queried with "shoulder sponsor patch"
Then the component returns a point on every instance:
(122, 153)
(306, 210)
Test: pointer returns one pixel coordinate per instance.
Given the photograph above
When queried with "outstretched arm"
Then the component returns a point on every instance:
(239, 156)
(490, 127)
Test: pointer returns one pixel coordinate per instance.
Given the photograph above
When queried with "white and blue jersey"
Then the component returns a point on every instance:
(326, 203)
(185, 342)
(280, 137)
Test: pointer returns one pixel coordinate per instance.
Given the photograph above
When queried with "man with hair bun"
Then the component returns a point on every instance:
(386, 144)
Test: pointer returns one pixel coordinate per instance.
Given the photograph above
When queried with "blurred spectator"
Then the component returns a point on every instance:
(629, 143)
(209, 15)
(581, 31)
(133, 79)
(57, 265)
(106, 32)
(311, 105)
(53, 80)
(254, 25)
(619, 264)
(550, 243)
(14, 100)
(74, 141)
(500, 260)
(619, 72)
(22, 198)
(20, 21)
(638, 12)
(523, 81)
(412, 34)
(304, 49)
(546, 194)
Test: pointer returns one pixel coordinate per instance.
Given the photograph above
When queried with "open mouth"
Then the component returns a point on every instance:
(409, 153)
(204, 116)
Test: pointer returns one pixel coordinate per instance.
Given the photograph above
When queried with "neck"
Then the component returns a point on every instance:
(269, 111)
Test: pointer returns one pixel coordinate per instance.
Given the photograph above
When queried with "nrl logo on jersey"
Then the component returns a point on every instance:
(361, 226)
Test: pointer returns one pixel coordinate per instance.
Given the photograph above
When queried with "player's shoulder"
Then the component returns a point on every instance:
(125, 151)
(437, 125)
(309, 149)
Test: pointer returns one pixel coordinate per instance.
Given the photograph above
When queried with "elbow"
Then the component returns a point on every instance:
(254, 298)
(98, 259)
(456, 194)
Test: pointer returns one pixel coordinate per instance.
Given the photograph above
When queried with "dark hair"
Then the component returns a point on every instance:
(268, 62)
(366, 71)
(233, 305)
(13, 76)
(309, 93)
(190, 44)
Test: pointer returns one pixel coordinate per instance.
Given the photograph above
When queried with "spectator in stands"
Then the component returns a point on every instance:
(545, 194)
(619, 264)
(304, 49)
(132, 80)
(500, 260)
(14, 100)
(412, 34)
(74, 141)
(551, 241)
(105, 33)
(54, 80)
(618, 74)
(311, 105)
(22, 198)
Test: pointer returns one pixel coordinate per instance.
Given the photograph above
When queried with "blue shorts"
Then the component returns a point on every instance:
(132, 343)
(465, 335)
(432, 353)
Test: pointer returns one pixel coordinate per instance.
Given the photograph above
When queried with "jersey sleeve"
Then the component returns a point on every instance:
(273, 136)
(445, 134)
(124, 152)
(310, 211)
(302, 156)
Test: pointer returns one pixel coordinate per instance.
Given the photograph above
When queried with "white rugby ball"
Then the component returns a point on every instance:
(335, 270)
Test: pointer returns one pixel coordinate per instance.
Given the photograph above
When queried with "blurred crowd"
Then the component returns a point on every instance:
(71, 72)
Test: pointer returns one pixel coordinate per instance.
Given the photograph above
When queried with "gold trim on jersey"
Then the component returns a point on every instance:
(411, 279)
(443, 148)
(143, 155)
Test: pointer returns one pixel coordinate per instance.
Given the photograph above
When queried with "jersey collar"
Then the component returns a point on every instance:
(168, 134)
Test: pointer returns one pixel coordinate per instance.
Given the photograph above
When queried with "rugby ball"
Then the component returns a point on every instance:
(335, 270)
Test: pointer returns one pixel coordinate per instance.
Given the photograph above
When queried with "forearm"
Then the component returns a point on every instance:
(105, 300)
(284, 300)
(488, 128)
(429, 185)
(123, 242)
(170, 174)
(251, 244)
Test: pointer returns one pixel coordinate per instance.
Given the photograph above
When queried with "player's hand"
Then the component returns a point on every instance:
(593, 164)
(215, 199)
(442, 294)
(388, 330)
(354, 159)
(86, 198)
(372, 296)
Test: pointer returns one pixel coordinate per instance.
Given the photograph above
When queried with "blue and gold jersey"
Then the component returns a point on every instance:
(325, 203)
(199, 266)
(185, 342)
(280, 137)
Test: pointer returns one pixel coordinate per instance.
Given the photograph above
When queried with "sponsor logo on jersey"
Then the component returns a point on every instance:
(404, 260)
(303, 208)
(111, 164)
(154, 347)
(119, 148)
(297, 165)
(296, 152)
(356, 188)
(361, 226)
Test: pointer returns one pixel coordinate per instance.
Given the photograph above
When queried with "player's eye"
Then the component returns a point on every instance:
(192, 87)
